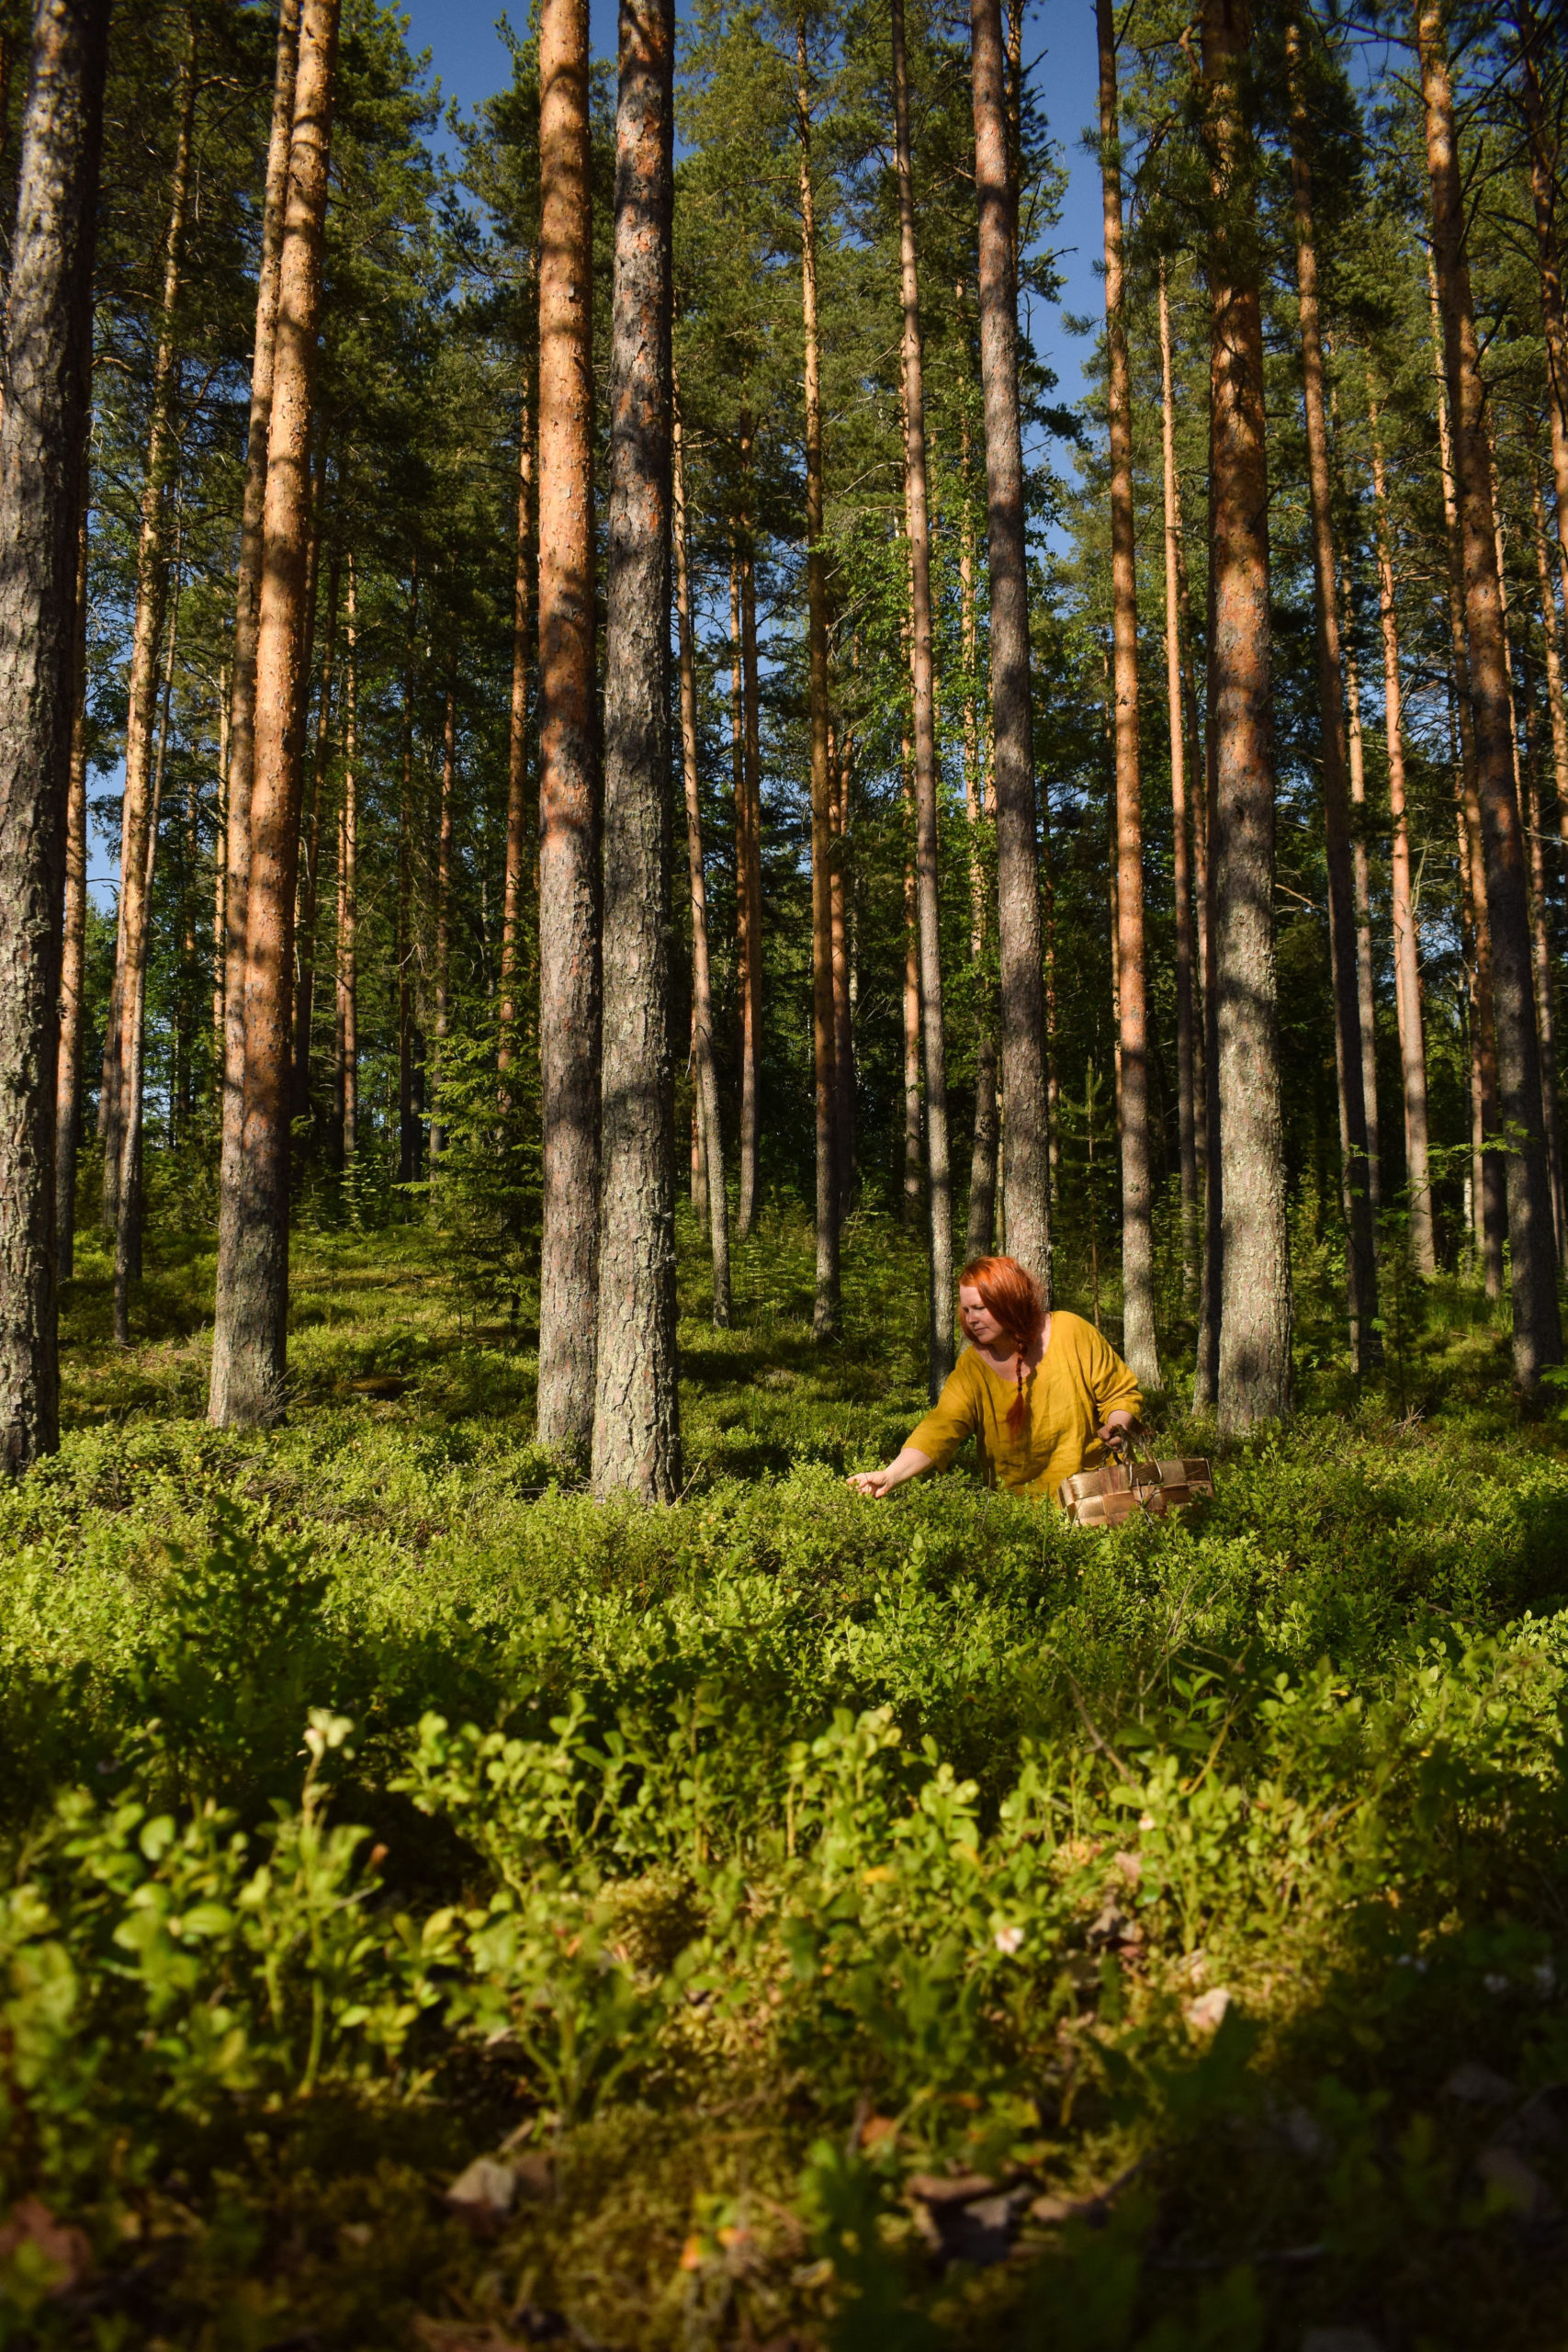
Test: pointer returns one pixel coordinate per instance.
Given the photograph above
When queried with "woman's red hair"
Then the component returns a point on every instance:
(1012, 1293)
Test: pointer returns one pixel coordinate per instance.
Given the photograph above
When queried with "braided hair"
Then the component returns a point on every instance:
(1012, 1293)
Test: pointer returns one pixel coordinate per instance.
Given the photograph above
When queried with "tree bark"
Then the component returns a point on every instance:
(1255, 1277)
(517, 752)
(72, 962)
(444, 923)
(240, 766)
(1542, 954)
(1406, 940)
(122, 1048)
(310, 865)
(1026, 1194)
(917, 525)
(1181, 870)
(1545, 159)
(569, 816)
(408, 1125)
(250, 1330)
(1361, 1258)
(637, 1427)
(1549, 630)
(982, 1221)
(1205, 835)
(839, 772)
(345, 1090)
(128, 1190)
(748, 869)
(825, 1315)
(1138, 1345)
(1537, 1336)
(913, 1180)
(49, 361)
(702, 985)
(1361, 902)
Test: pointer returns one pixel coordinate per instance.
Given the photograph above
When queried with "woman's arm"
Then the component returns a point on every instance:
(878, 1483)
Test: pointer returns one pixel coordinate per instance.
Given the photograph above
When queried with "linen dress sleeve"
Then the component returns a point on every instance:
(953, 1417)
(1110, 1383)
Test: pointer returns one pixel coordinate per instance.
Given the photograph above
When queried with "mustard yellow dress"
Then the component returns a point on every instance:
(1078, 1380)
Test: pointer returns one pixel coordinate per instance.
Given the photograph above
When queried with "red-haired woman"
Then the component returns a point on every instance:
(1040, 1394)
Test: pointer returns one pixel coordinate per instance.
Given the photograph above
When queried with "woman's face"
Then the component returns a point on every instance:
(981, 1326)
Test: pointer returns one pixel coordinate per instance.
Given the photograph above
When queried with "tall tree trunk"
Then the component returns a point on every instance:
(1407, 941)
(444, 922)
(239, 767)
(1138, 1344)
(1205, 838)
(1026, 1185)
(917, 524)
(1255, 1276)
(910, 1203)
(151, 582)
(742, 830)
(981, 1233)
(569, 831)
(250, 1328)
(1362, 900)
(748, 871)
(1545, 146)
(72, 962)
(1181, 871)
(128, 1191)
(346, 1092)
(637, 1427)
(824, 1315)
(310, 863)
(1542, 954)
(408, 1125)
(702, 985)
(518, 752)
(838, 770)
(1360, 1260)
(221, 877)
(1538, 1337)
(48, 369)
(1557, 713)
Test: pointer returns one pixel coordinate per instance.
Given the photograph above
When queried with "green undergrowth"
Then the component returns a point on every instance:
(789, 1920)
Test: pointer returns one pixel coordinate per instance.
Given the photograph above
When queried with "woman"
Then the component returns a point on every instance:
(1039, 1393)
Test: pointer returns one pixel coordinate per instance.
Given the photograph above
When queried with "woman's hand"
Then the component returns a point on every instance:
(875, 1484)
(1115, 1427)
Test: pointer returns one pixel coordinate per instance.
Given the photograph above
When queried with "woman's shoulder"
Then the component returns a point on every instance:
(1077, 1329)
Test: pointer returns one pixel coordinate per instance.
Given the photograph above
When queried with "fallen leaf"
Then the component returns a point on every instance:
(484, 2188)
(1204, 2014)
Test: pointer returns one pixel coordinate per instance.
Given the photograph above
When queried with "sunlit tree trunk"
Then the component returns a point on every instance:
(345, 1090)
(917, 524)
(1138, 1345)
(909, 1197)
(133, 1012)
(310, 863)
(240, 765)
(840, 756)
(250, 1328)
(1361, 902)
(636, 1428)
(825, 1317)
(569, 830)
(1546, 149)
(72, 962)
(1406, 940)
(48, 373)
(707, 1123)
(516, 879)
(1181, 871)
(1537, 1335)
(748, 867)
(1026, 1171)
(220, 880)
(1361, 1260)
(1255, 1276)
(122, 1046)
(982, 1221)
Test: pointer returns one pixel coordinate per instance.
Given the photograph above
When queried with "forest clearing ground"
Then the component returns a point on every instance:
(807, 1853)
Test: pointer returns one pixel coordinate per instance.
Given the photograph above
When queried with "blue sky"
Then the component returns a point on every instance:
(1059, 45)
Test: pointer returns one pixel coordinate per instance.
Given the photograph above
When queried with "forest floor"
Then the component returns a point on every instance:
(443, 1911)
